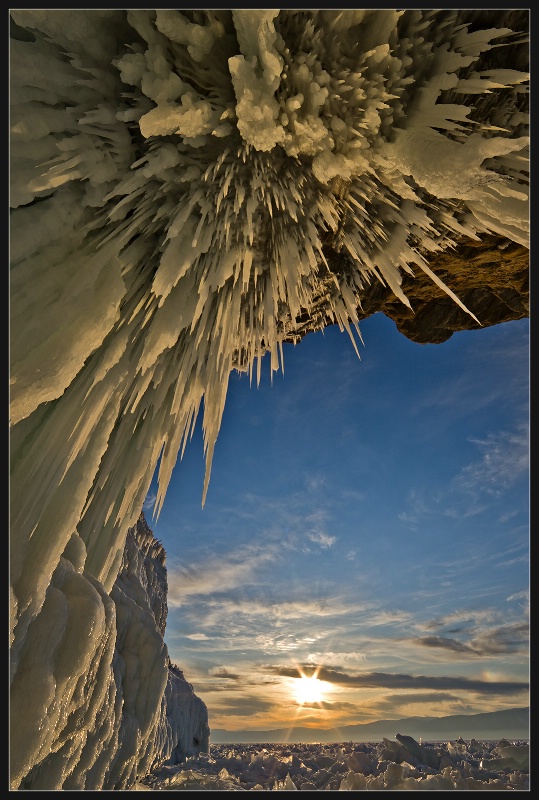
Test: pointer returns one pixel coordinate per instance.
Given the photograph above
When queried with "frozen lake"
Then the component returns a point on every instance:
(400, 764)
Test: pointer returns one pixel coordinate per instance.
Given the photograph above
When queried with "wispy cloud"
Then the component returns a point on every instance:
(417, 509)
(502, 639)
(417, 697)
(323, 539)
(459, 617)
(255, 616)
(372, 680)
(223, 672)
(149, 501)
(270, 643)
(508, 515)
(504, 459)
(314, 482)
(480, 633)
(292, 519)
(385, 616)
(524, 595)
(265, 606)
(511, 356)
(511, 639)
(218, 574)
(445, 643)
(353, 494)
(332, 659)
(328, 705)
(245, 706)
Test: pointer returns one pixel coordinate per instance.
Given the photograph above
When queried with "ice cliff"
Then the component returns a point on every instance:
(96, 699)
(190, 190)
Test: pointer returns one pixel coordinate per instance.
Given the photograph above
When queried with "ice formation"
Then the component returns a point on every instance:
(347, 766)
(178, 179)
(95, 702)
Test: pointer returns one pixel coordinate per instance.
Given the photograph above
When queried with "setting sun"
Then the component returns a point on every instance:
(309, 689)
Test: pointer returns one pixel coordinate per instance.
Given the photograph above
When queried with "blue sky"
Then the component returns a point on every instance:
(365, 517)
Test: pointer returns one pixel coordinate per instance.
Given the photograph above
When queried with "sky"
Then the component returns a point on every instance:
(367, 522)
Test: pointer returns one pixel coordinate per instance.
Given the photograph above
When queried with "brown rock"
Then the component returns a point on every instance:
(491, 278)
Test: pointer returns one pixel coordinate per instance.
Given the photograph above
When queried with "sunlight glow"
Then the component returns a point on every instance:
(309, 689)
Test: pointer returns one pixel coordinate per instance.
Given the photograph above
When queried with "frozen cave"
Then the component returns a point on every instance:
(190, 190)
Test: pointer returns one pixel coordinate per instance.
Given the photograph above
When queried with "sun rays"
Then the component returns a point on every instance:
(308, 689)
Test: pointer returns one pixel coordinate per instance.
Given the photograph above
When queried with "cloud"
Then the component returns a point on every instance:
(223, 672)
(524, 595)
(503, 639)
(271, 643)
(327, 705)
(471, 508)
(217, 574)
(149, 501)
(245, 707)
(507, 516)
(510, 351)
(290, 518)
(460, 616)
(486, 559)
(317, 533)
(505, 458)
(315, 482)
(353, 494)
(416, 697)
(417, 509)
(197, 637)
(372, 680)
(323, 539)
(337, 658)
(482, 638)
(263, 612)
(447, 644)
(384, 616)
(506, 562)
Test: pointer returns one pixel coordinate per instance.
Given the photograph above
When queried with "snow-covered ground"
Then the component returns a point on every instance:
(401, 764)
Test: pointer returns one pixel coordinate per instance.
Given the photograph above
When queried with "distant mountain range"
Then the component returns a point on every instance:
(511, 723)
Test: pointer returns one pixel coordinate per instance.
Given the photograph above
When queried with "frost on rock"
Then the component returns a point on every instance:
(178, 179)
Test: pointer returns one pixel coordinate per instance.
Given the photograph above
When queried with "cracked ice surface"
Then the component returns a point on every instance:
(388, 765)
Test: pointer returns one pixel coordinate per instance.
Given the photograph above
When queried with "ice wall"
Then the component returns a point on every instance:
(95, 703)
(177, 179)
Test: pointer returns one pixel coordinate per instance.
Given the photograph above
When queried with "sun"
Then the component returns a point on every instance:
(309, 690)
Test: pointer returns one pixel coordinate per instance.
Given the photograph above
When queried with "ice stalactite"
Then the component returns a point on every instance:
(177, 178)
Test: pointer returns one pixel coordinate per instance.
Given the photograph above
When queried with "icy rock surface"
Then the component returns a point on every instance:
(177, 181)
(95, 702)
(347, 766)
